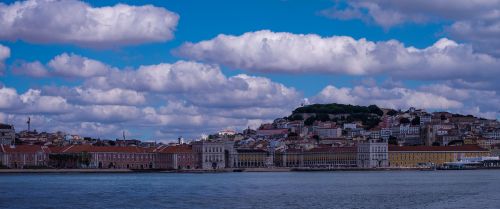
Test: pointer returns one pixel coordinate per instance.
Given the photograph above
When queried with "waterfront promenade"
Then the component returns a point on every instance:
(227, 170)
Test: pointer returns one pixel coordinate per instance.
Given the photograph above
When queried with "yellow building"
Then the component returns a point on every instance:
(317, 157)
(251, 158)
(330, 156)
(412, 156)
(289, 158)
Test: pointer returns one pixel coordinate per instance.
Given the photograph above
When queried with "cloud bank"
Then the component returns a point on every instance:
(4, 54)
(476, 22)
(267, 51)
(76, 22)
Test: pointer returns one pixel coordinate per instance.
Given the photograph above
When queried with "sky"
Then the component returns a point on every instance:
(163, 69)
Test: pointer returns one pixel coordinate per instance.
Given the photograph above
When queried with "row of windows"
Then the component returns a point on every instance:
(213, 149)
(213, 158)
(110, 156)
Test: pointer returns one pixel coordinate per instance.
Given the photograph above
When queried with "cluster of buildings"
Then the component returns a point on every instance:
(412, 138)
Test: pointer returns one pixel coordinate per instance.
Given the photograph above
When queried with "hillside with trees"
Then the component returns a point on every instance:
(368, 115)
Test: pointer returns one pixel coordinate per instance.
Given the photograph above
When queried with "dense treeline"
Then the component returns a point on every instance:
(369, 115)
(339, 109)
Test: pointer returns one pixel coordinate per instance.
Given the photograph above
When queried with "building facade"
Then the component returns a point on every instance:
(372, 154)
(211, 154)
(327, 157)
(7, 134)
(23, 156)
(110, 157)
(176, 157)
(251, 158)
(414, 156)
(319, 157)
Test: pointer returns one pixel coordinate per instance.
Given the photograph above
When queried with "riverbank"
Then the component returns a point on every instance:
(227, 170)
(66, 171)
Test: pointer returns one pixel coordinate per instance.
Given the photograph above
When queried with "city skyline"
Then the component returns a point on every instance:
(158, 70)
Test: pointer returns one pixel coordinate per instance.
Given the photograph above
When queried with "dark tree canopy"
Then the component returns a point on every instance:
(375, 110)
(309, 121)
(322, 117)
(392, 140)
(392, 112)
(338, 109)
(404, 121)
(415, 121)
(369, 116)
(296, 117)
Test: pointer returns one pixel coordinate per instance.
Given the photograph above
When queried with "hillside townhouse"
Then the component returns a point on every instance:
(295, 126)
(445, 140)
(487, 143)
(327, 132)
(425, 119)
(375, 133)
(272, 133)
(385, 133)
(492, 134)
(350, 125)
(7, 134)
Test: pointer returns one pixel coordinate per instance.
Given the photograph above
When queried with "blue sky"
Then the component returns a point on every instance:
(395, 45)
(208, 19)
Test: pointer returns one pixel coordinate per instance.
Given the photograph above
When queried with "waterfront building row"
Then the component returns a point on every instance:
(218, 155)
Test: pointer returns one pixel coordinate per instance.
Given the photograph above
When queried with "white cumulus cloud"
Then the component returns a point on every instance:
(4, 54)
(391, 98)
(267, 51)
(474, 21)
(180, 76)
(32, 69)
(76, 22)
(72, 65)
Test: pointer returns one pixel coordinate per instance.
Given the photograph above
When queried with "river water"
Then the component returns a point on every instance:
(376, 189)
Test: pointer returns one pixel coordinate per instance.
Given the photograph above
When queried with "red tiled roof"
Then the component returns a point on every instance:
(292, 150)
(90, 148)
(251, 151)
(333, 149)
(21, 148)
(463, 148)
(175, 149)
(272, 131)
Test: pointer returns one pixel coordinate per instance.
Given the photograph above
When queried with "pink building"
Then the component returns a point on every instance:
(129, 157)
(23, 156)
(176, 157)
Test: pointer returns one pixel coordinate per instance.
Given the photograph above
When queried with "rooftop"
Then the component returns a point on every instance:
(464, 148)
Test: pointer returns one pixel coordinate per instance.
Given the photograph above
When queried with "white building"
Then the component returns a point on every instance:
(328, 132)
(375, 134)
(7, 134)
(385, 133)
(227, 133)
(373, 154)
(350, 125)
(425, 119)
(210, 154)
(495, 134)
